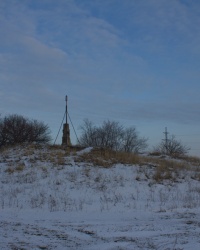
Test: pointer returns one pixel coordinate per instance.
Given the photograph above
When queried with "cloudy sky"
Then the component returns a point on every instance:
(132, 61)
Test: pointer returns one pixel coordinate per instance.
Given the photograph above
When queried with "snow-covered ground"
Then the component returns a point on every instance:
(53, 200)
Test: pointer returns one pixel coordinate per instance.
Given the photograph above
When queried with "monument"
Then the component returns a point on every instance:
(66, 132)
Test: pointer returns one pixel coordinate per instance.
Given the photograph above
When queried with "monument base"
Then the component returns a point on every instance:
(66, 135)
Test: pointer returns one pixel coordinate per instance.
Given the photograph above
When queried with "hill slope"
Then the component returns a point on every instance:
(92, 199)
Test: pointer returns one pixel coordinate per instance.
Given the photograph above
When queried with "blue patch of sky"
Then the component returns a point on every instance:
(38, 5)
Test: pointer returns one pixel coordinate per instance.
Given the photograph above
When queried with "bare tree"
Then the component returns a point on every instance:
(89, 134)
(172, 147)
(17, 129)
(132, 142)
(3, 135)
(39, 132)
(111, 135)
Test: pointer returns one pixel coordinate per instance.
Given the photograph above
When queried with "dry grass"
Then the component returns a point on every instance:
(10, 170)
(107, 158)
(155, 153)
(170, 170)
(161, 168)
(191, 159)
(51, 187)
(196, 176)
(20, 167)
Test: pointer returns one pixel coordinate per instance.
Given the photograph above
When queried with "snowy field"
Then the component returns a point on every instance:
(50, 199)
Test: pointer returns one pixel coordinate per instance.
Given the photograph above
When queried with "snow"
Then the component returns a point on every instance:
(84, 151)
(51, 200)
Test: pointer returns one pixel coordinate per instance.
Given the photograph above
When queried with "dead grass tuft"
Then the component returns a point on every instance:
(10, 170)
(107, 158)
(20, 167)
(191, 159)
(170, 170)
(155, 153)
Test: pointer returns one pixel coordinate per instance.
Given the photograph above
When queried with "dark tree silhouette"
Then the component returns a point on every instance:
(18, 129)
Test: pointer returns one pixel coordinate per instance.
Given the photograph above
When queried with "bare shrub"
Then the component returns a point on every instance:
(132, 142)
(172, 147)
(17, 129)
(111, 135)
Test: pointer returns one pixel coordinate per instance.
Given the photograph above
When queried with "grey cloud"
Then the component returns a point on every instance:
(65, 49)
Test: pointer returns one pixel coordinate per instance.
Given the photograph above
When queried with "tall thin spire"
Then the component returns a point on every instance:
(66, 99)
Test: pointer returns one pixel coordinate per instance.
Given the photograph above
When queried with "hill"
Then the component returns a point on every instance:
(52, 198)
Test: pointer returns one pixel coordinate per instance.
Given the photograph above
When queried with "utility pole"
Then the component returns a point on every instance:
(166, 139)
(66, 132)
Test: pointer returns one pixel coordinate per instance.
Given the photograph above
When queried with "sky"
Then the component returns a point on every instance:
(132, 61)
